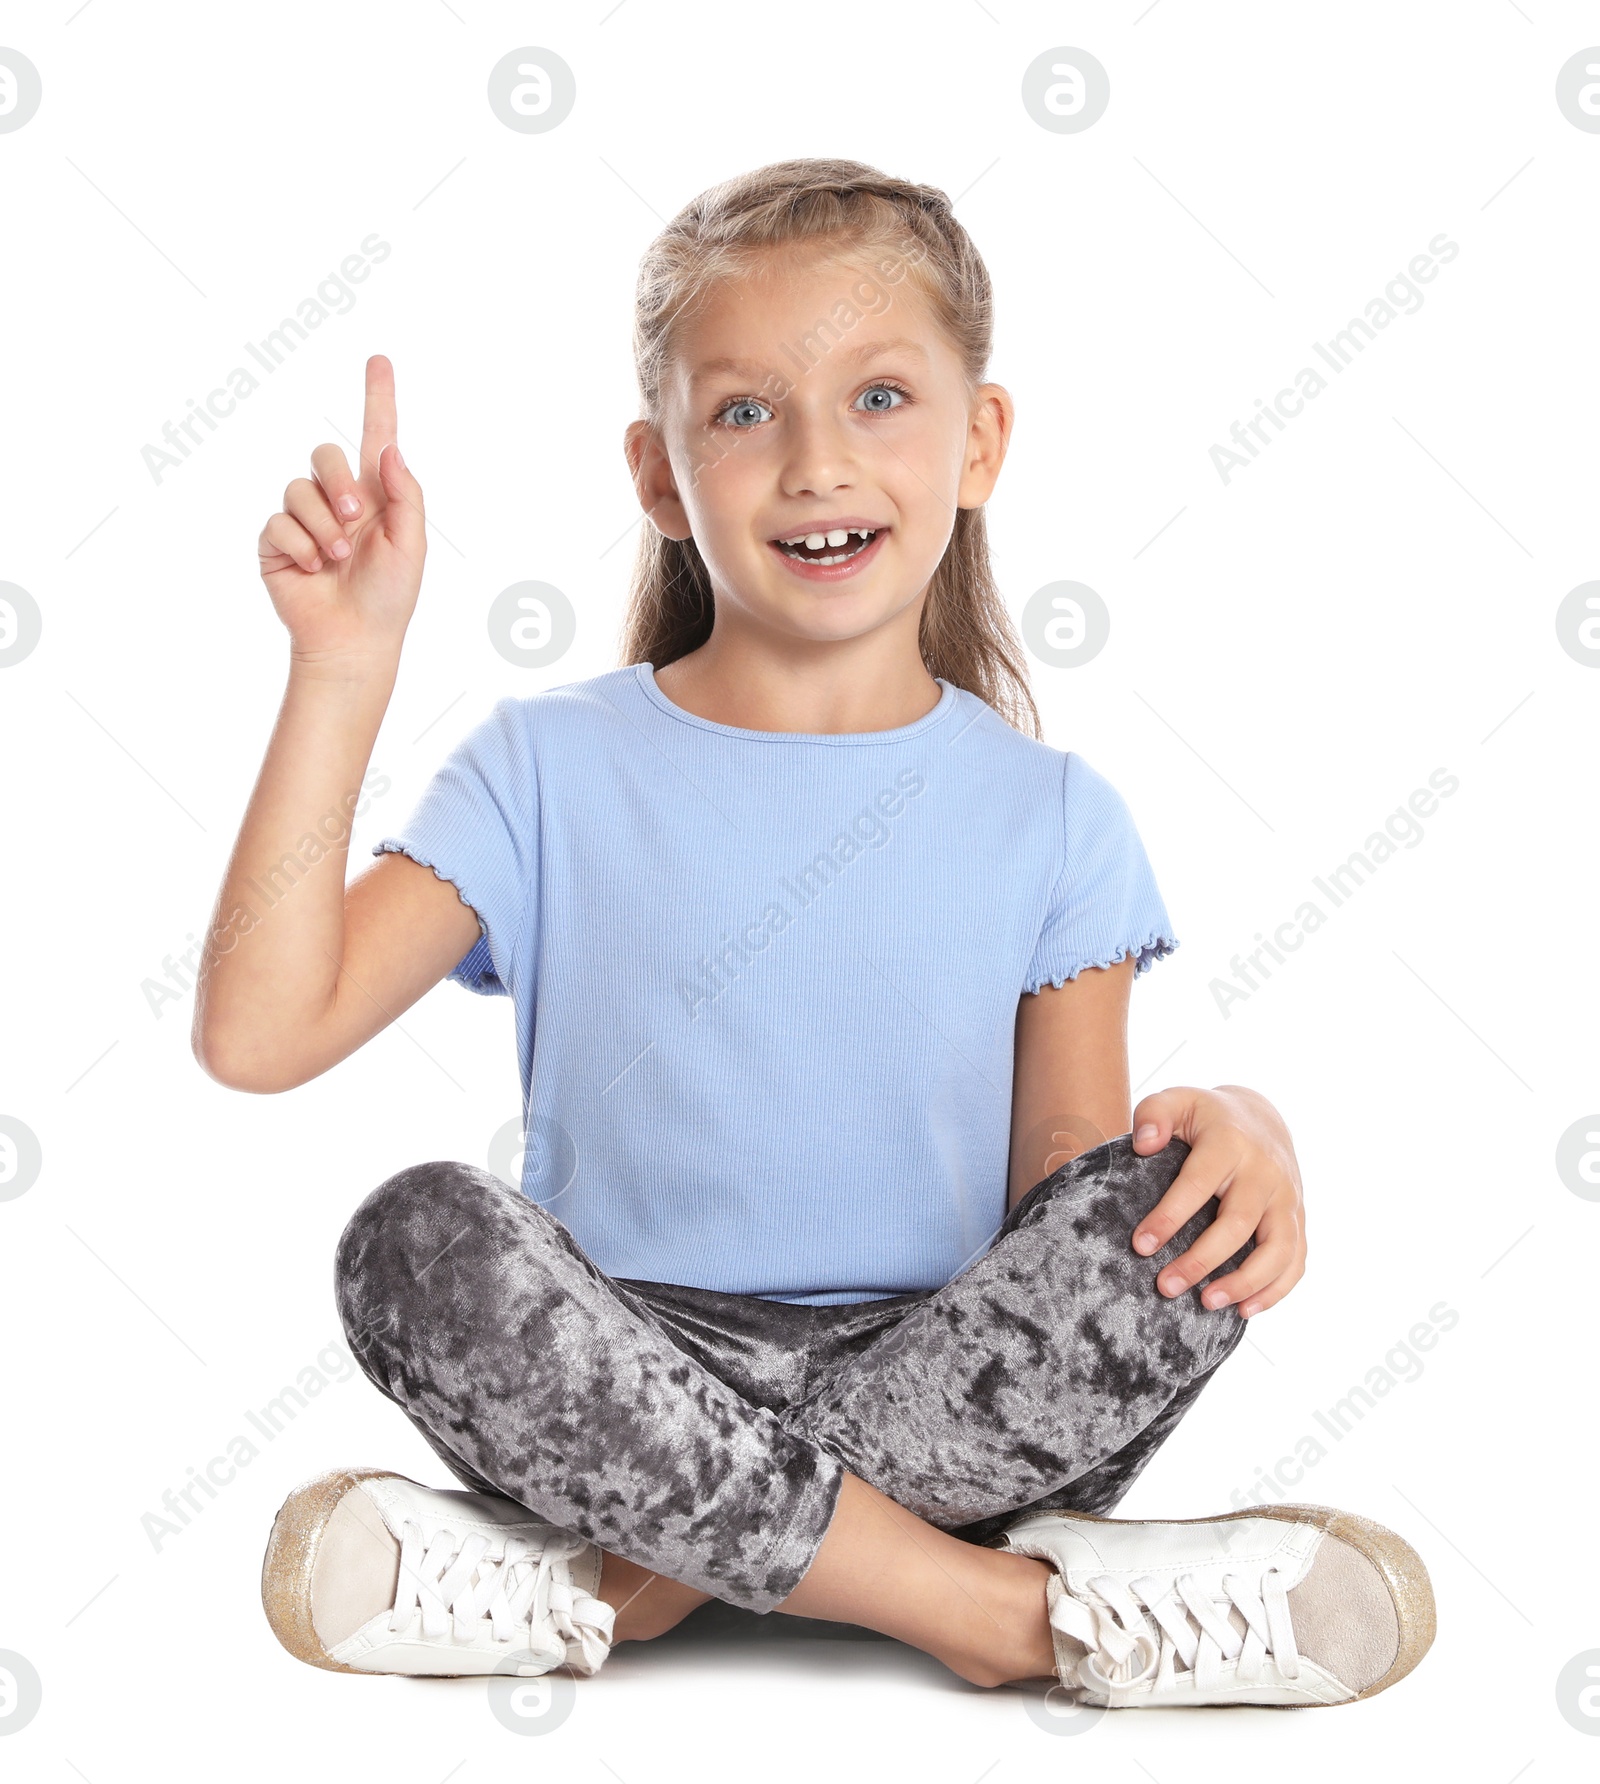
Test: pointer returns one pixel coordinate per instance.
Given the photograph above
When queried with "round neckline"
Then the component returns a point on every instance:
(645, 675)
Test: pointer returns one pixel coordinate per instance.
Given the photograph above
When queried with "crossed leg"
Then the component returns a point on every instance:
(1042, 1375)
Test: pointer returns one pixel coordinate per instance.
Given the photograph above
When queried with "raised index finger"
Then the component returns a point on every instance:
(378, 424)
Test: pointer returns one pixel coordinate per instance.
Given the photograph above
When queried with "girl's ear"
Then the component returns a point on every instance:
(653, 481)
(988, 435)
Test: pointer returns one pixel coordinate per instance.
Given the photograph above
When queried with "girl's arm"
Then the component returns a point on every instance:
(296, 972)
(1070, 1092)
(1070, 1078)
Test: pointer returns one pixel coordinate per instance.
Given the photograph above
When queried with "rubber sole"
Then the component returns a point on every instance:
(1410, 1589)
(291, 1559)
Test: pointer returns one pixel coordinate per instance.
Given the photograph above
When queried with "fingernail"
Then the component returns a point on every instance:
(1173, 1285)
(400, 463)
(1144, 1242)
(316, 563)
(1147, 1132)
(340, 548)
(1248, 1309)
(349, 505)
(1215, 1297)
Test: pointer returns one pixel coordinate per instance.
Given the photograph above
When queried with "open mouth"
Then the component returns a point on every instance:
(835, 547)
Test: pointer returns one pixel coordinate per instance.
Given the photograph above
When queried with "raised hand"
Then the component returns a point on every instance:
(343, 560)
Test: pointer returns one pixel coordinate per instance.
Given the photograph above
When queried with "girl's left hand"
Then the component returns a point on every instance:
(1240, 1152)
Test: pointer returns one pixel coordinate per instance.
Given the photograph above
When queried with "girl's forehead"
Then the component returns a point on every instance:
(756, 320)
(775, 278)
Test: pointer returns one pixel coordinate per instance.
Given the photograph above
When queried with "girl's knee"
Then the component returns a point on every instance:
(415, 1203)
(439, 1234)
(384, 1255)
(1110, 1188)
(1092, 1206)
(425, 1190)
(1135, 1183)
(1141, 1173)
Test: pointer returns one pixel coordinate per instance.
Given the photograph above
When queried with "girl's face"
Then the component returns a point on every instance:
(811, 398)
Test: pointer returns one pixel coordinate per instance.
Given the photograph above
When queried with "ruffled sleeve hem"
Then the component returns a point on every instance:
(475, 970)
(1156, 946)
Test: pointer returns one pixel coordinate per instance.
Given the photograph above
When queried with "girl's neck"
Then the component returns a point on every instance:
(861, 684)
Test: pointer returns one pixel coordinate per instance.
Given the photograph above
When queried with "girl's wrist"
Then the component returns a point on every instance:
(345, 668)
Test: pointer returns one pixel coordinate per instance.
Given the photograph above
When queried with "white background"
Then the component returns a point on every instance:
(1298, 650)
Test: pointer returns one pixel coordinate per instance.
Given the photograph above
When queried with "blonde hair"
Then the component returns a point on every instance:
(966, 635)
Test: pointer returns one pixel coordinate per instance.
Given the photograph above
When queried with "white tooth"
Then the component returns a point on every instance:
(815, 541)
(839, 536)
(863, 532)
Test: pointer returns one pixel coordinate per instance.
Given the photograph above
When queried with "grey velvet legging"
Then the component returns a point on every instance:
(705, 1435)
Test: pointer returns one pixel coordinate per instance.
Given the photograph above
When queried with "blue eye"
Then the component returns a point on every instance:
(744, 403)
(884, 408)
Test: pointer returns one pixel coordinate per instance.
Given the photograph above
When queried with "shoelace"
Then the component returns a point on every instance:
(525, 1590)
(1109, 1618)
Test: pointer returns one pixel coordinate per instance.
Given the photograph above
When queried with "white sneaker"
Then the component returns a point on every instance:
(365, 1571)
(1285, 1605)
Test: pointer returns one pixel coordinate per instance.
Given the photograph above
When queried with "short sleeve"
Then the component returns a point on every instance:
(1105, 904)
(476, 824)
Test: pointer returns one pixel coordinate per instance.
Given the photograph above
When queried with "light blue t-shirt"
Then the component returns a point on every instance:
(766, 982)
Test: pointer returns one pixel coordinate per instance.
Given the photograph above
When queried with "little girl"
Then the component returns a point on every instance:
(825, 1291)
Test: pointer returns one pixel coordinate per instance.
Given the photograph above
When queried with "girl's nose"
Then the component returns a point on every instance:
(820, 456)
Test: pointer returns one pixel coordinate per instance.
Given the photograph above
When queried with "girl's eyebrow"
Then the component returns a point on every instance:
(743, 368)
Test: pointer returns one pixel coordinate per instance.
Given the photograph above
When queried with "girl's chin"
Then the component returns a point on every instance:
(833, 617)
